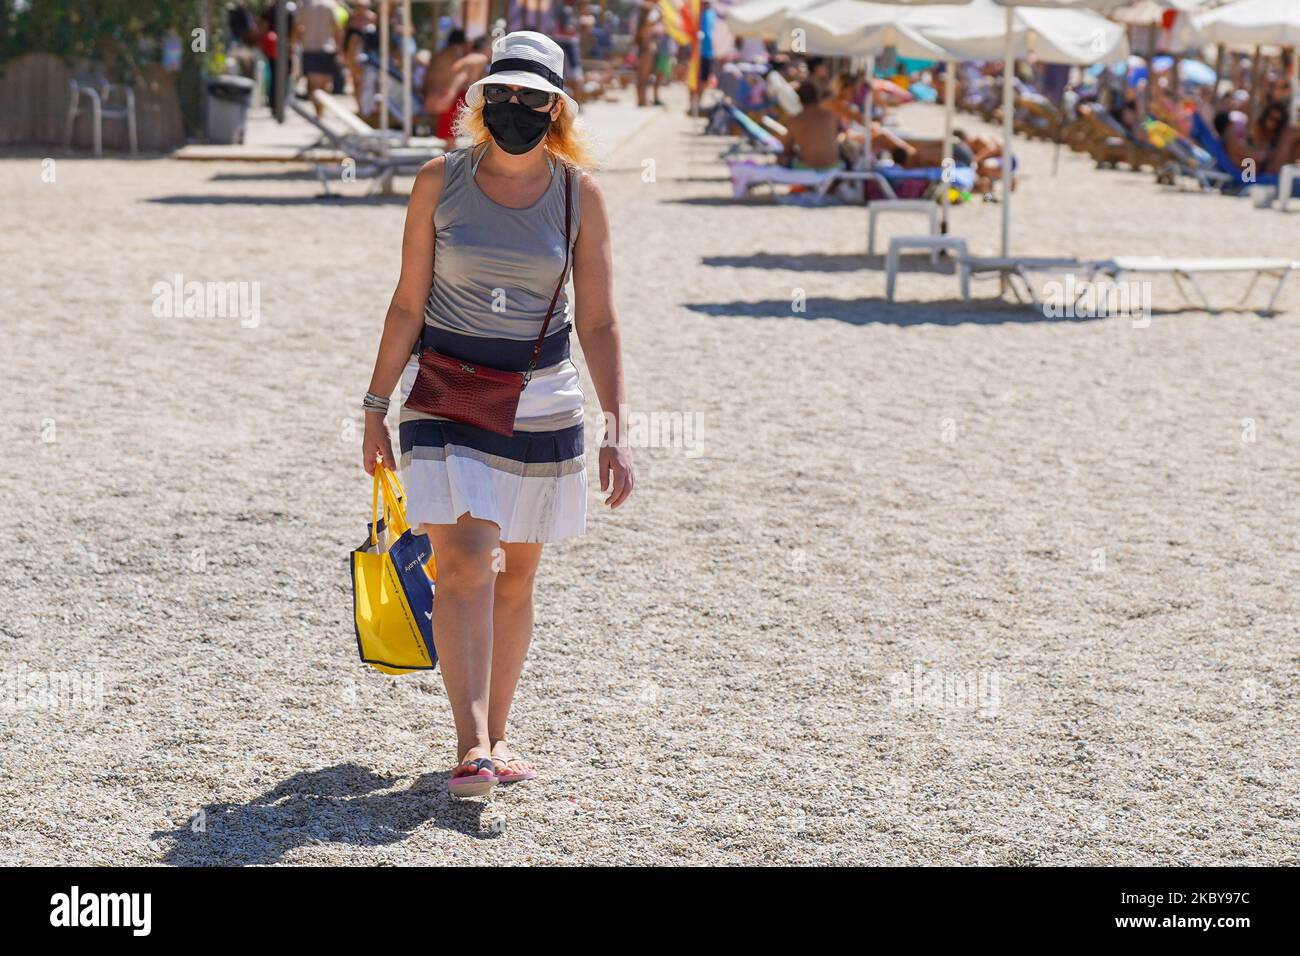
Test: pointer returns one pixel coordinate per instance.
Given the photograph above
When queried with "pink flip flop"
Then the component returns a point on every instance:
(510, 776)
(476, 783)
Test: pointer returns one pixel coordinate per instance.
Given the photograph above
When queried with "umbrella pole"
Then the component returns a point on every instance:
(870, 108)
(407, 34)
(1008, 129)
(282, 86)
(383, 66)
(949, 103)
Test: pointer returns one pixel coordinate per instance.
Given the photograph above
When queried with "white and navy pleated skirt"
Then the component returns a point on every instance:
(533, 484)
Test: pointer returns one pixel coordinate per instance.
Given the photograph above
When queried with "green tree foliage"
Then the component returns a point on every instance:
(123, 35)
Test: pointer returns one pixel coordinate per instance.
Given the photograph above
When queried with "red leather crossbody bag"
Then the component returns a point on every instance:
(473, 394)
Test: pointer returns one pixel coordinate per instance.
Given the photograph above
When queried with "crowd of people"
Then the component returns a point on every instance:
(822, 108)
(828, 119)
(822, 115)
(334, 45)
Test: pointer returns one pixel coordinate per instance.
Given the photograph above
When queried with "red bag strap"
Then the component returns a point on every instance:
(564, 274)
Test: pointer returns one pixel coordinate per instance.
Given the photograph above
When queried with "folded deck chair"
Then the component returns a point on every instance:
(371, 151)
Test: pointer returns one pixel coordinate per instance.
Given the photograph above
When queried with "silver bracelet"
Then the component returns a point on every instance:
(374, 403)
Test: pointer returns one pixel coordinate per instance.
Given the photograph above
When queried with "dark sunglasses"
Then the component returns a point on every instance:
(533, 99)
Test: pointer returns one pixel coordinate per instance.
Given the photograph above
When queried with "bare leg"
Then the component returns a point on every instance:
(643, 67)
(512, 630)
(882, 138)
(1288, 148)
(462, 625)
(318, 81)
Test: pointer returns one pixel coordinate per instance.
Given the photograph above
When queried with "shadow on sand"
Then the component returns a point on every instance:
(879, 311)
(315, 199)
(344, 804)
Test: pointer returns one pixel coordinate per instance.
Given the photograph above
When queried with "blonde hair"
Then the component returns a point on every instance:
(567, 139)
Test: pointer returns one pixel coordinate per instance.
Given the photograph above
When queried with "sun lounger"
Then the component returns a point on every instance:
(1038, 118)
(1188, 160)
(355, 126)
(1021, 267)
(1188, 269)
(1290, 180)
(372, 151)
(1206, 138)
(1111, 144)
(258, 154)
(748, 173)
(755, 136)
(1180, 270)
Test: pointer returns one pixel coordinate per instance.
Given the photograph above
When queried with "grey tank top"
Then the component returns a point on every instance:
(494, 267)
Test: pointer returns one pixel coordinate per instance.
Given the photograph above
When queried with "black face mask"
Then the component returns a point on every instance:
(516, 128)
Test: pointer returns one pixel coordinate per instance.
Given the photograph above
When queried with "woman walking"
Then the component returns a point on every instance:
(480, 312)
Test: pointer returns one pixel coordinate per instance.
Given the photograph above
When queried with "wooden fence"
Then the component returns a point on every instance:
(34, 99)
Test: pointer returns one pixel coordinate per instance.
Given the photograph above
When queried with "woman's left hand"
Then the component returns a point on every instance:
(616, 474)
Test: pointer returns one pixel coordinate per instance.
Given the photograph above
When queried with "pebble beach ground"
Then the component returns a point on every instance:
(917, 582)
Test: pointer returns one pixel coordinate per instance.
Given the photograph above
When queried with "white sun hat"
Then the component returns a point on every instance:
(526, 59)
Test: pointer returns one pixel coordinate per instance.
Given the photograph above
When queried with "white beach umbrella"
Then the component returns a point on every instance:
(983, 30)
(1144, 13)
(1255, 22)
(763, 18)
(854, 28)
(1060, 31)
(866, 28)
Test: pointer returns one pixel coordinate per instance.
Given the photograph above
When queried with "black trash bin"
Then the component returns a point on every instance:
(229, 99)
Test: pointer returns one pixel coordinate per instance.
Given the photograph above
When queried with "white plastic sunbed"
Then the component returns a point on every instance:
(1189, 269)
(1020, 267)
(747, 173)
(204, 152)
(1178, 269)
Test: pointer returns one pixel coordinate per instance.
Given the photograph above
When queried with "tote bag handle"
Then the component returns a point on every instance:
(386, 483)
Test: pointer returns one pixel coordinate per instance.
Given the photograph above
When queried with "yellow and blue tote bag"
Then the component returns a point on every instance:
(392, 586)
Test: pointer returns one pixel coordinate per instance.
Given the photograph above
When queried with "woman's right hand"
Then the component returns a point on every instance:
(375, 444)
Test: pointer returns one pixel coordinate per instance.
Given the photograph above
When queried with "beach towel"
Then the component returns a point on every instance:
(916, 183)
(756, 133)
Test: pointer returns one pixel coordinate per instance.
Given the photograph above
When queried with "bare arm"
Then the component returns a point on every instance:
(597, 325)
(405, 320)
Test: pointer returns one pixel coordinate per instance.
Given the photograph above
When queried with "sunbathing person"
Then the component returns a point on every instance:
(439, 89)
(984, 155)
(1279, 142)
(1232, 129)
(466, 71)
(843, 103)
(812, 136)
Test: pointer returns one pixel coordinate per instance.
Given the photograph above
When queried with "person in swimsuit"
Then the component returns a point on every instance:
(322, 38)
(439, 93)
(813, 135)
(467, 71)
(360, 40)
(483, 250)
